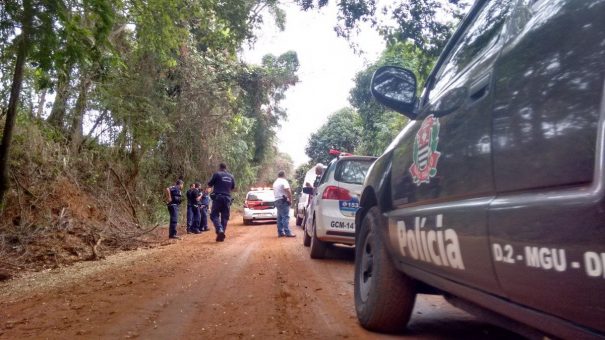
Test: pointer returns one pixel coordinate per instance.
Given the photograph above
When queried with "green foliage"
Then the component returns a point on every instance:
(379, 125)
(161, 82)
(342, 131)
(417, 21)
(299, 175)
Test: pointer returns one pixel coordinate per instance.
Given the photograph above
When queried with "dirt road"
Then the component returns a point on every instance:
(254, 285)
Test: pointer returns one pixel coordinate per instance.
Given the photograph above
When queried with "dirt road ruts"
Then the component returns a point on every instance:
(254, 285)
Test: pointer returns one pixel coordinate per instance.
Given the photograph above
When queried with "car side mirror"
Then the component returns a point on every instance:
(308, 190)
(395, 88)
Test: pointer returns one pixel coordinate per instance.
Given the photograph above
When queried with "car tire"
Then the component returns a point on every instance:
(247, 222)
(384, 297)
(306, 237)
(318, 247)
(298, 221)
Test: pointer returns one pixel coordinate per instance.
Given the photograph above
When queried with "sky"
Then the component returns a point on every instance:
(327, 68)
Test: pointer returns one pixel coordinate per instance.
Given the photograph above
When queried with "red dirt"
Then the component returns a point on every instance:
(254, 285)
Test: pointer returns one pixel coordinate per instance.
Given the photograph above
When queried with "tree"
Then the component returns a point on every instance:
(342, 131)
(380, 125)
(417, 21)
(40, 23)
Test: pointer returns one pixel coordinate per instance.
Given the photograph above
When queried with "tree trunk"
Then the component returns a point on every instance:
(57, 114)
(41, 102)
(11, 113)
(76, 132)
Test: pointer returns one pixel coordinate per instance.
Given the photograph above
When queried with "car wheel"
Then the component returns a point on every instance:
(318, 247)
(247, 222)
(306, 237)
(298, 220)
(384, 297)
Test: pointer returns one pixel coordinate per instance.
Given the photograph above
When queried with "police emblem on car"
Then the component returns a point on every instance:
(426, 156)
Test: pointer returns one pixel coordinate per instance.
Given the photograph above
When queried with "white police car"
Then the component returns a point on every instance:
(259, 206)
(331, 215)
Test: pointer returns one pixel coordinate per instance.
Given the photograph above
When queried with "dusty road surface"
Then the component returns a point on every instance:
(254, 285)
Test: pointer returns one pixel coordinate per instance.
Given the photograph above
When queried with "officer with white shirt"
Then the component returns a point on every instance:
(283, 197)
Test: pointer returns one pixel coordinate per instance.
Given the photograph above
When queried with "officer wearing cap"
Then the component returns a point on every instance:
(173, 200)
(222, 183)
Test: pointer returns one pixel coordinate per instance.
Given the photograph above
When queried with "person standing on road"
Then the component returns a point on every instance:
(191, 206)
(173, 200)
(222, 183)
(204, 203)
(283, 197)
(196, 198)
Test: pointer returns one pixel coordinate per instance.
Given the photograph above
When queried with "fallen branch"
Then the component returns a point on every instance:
(29, 193)
(132, 207)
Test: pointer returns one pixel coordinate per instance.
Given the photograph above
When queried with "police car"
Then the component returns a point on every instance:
(331, 214)
(259, 206)
(494, 194)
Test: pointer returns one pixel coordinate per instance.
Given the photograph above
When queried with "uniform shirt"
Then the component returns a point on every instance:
(205, 200)
(222, 182)
(175, 193)
(192, 194)
(279, 188)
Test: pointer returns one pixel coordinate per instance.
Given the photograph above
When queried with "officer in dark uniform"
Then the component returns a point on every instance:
(173, 200)
(222, 183)
(191, 205)
(204, 203)
(197, 197)
(193, 211)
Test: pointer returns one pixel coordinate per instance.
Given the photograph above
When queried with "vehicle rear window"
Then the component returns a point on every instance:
(353, 171)
(261, 196)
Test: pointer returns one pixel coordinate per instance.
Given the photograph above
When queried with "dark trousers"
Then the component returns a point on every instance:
(219, 214)
(173, 210)
(190, 209)
(196, 218)
(204, 218)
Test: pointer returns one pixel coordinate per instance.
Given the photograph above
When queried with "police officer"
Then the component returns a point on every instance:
(222, 183)
(173, 200)
(191, 206)
(204, 203)
(197, 197)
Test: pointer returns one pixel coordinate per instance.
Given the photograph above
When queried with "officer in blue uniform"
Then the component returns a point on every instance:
(193, 211)
(222, 183)
(204, 203)
(173, 200)
(191, 205)
(197, 197)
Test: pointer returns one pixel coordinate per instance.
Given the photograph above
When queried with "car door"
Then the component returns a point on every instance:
(442, 176)
(316, 199)
(547, 224)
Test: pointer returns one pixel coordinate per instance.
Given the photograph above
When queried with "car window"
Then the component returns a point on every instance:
(260, 196)
(481, 35)
(353, 171)
(327, 173)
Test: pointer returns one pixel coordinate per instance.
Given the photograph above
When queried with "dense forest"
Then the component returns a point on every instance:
(106, 102)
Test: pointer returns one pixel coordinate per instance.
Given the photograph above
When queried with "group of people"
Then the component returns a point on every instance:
(198, 199)
(222, 184)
